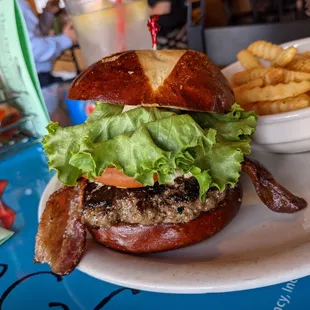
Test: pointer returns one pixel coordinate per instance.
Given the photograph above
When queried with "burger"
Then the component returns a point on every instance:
(157, 164)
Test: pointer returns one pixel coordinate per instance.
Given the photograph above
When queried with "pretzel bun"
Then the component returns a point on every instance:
(182, 79)
(163, 237)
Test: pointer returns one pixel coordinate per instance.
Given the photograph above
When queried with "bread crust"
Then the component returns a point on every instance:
(182, 79)
(157, 238)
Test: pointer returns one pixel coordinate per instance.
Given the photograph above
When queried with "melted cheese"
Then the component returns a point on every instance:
(129, 107)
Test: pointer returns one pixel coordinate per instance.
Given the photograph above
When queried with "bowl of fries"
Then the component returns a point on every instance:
(274, 81)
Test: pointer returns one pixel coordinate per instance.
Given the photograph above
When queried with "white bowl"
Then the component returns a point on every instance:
(283, 132)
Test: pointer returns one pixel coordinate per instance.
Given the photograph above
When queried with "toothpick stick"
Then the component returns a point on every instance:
(154, 28)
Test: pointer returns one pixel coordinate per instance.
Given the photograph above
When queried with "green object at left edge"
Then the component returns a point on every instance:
(18, 68)
(5, 235)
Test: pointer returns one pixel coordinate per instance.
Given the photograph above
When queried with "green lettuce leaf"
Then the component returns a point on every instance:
(232, 126)
(223, 162)
(144, 141)
(61, 143)
(156, 147)
(234, 131)
(104, 110)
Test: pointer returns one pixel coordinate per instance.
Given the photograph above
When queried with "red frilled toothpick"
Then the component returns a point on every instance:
(152, 23)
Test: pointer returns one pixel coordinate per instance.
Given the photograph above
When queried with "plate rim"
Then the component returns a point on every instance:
(299, 268)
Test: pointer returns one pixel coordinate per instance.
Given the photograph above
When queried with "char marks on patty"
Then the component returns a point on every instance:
(105, 206)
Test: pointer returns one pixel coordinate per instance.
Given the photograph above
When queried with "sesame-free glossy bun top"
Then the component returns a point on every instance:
(182, 79)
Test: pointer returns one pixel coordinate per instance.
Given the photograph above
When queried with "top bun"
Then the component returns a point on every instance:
(181, 79)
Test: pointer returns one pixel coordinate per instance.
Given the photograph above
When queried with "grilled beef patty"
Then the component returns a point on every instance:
(105, 206)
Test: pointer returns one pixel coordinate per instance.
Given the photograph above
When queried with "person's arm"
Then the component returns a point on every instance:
(50, 47)
(45, 48)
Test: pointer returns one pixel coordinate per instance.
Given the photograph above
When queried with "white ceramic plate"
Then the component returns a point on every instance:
(258, 248)
(284, 132)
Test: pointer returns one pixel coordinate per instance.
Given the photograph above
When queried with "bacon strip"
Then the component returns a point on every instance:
(61, 238)
(272, 194)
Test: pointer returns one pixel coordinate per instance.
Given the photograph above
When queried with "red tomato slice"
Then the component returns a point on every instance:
(114, 177)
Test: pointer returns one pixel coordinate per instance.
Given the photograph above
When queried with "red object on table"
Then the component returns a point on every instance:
(154, 28)
(8, 116)
(7, 215)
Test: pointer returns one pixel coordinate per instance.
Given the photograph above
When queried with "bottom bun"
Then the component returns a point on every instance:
(162, 237)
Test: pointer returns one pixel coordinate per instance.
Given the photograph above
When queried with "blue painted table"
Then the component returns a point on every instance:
(24, 285)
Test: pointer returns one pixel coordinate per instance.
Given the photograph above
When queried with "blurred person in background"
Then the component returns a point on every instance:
(46, 48)
(172, 22)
